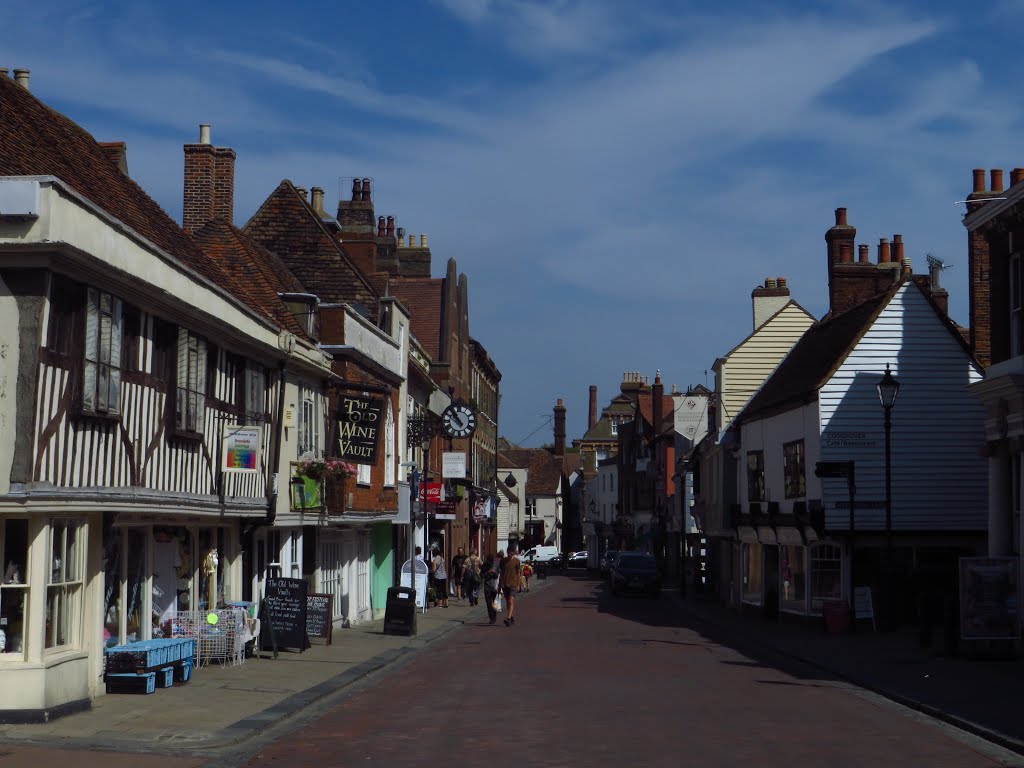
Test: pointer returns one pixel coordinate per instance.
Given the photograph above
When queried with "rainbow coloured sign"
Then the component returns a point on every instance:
(241, 448)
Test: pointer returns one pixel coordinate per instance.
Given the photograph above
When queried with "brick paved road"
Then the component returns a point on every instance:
(587, 679)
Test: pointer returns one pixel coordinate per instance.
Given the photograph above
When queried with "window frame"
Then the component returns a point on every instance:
(102, 350)
(390, 472)
(23, 587)
(755, 477)
(814, 560)
(794, 474)
(308, 432)
(191, 385)
(69, 587)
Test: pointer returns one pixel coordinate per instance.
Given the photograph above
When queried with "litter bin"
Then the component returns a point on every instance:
(400, 612)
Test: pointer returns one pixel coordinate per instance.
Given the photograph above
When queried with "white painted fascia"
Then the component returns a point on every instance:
(79, 228)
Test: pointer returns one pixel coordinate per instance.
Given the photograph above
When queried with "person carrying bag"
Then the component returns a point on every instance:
(489, 576)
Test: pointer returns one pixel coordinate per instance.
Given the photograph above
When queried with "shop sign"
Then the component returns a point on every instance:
(359, 422)
(433, 492)
(241, 448)
(453, 464)
(988, 598)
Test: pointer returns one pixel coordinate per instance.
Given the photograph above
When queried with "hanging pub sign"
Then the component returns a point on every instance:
(359, 423)
(241, 448)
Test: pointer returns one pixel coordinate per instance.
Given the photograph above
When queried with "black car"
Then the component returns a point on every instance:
(577, 560)
(635, 572)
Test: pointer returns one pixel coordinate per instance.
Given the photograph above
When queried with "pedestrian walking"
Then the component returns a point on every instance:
(440, 579)
(527, 573)
(489, 576)
(471, 577)
(511, 572)
(458, 573)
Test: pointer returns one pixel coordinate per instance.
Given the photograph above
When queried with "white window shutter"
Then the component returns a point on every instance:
(200, 385)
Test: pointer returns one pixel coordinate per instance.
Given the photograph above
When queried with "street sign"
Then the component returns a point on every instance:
(833, 468)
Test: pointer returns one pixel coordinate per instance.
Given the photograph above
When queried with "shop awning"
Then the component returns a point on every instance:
(766, 535)
(746, 534)
(789, 535)
(810, 535)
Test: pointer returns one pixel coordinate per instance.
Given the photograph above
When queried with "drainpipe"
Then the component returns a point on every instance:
(276, 452)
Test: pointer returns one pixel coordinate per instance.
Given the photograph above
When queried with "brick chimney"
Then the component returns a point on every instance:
(853, 282)
(769, 299)
(592, 418)
(980, 273)
(358, 230)
(559, 428)
(209, 183)
(657, 402)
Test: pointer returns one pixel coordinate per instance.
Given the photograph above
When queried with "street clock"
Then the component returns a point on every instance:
(458, 420)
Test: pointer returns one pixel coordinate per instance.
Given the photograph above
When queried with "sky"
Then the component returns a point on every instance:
(614, 178)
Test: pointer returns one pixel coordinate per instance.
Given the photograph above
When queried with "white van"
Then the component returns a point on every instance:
(541, 554)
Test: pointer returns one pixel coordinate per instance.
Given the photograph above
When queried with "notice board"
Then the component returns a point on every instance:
(318, 615)
(283, 616)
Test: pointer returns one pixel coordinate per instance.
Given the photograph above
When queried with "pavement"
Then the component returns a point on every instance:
(981, 696)
(225, 707)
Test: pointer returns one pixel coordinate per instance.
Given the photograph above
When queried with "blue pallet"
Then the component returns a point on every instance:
(183, 671)
(131, 683)
(165, 677)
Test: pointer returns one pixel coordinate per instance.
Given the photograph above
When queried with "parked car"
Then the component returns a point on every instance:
(607, 560)
(636, 572)
(577, 560)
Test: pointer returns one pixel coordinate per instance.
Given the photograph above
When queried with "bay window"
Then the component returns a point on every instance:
(13, 586)
(64, 583)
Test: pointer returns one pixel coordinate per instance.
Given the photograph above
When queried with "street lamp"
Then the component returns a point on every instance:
(888, 388)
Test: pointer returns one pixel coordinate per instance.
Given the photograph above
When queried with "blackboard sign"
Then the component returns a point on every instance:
(283, 616)
(318, 615)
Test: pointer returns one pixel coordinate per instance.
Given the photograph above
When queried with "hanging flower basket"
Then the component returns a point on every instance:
(319, 469)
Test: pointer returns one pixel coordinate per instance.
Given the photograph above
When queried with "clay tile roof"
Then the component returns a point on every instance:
(646, 404)
(544, 470)
(36, 140)
(811, 362)
(266, 275)
(422, 296)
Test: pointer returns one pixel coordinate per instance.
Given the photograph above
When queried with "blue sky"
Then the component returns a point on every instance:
(614, 178)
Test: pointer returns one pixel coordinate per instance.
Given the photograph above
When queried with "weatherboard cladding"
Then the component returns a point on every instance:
(747, 366)
(939, 480)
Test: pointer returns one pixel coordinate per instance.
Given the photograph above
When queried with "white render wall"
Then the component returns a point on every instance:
(769, 435)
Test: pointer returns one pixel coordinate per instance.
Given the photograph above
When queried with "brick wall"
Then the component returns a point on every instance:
(209, 185)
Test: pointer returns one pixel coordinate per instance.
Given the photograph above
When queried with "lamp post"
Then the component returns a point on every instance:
(888, 388)
(420, 431)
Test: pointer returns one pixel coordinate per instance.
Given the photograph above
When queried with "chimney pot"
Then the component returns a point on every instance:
(907, 266)
(357, 189)
(846, 253)
(400, 234)
(883, 251)
(865, 255)
(204, 133)
(4, 72)
(303, 192)
(390, 231)
(769, 282)
(840, 217)
(412, 240)
(593, 407)
(997, 180)
(979, 179)
(380, 226)
(21, 77)
(897, 243)
(423, 241)
(1016, 175)
(366, 190)
(781, 282)
(318, 199)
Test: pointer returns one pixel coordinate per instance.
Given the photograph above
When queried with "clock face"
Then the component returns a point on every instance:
(458, 420)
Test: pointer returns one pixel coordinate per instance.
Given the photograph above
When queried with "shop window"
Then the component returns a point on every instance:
(309, 428)
(13, 587)
(213, 569)
(793, 469)
(752, 573)
(755, 476)
(794, 578)
(826, 574)
(64, 586)
(190, 408)
(101, 375)
(172, 569)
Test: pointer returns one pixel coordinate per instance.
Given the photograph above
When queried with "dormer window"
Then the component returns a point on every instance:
(303, 307)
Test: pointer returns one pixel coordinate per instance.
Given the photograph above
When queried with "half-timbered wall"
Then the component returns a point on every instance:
(139, 447)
